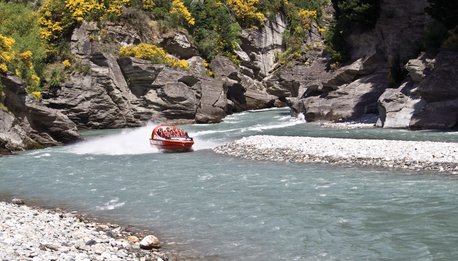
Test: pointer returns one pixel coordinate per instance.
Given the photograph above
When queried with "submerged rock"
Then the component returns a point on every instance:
(17, 201)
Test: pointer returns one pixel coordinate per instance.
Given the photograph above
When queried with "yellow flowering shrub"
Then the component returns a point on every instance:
(306, 18)
(153, 53)
(57, 17)
(6, 53)
(66, 64)
(148, 4)
(246, 10)
(37, 95)
(180, 10)
(19, 63)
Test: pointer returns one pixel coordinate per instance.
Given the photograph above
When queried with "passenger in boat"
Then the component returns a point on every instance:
(160, 133)
(187, 136)
(167, 133)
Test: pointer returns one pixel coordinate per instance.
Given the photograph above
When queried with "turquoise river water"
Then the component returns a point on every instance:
(212, 207)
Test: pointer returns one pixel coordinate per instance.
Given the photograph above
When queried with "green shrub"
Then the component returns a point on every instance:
(443, 32)
(216, 31)
(452, 40)
(434, 36)
(444, 11)
(19, 22)
(350, 16)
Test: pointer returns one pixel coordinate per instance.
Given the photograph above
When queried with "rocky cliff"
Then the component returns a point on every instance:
(26, 124)
(425, 100)
(119, 92)
(123, 92)
(108, 91)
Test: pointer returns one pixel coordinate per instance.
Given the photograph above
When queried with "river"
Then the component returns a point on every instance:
(211, 207)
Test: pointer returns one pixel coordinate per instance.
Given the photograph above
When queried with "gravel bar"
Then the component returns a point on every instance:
(417, 155)
(28, 233)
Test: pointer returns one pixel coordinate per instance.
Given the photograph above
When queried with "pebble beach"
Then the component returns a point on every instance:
(28, 233)
(434, 156)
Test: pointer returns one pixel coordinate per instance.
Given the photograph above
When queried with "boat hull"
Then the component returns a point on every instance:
(172, 145)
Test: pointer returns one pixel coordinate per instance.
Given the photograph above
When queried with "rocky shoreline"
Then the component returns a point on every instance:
(432, 156)
(29, 233)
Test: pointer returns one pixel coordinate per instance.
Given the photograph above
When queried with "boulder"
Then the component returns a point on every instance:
(440, 84)
(17, 201)
(397, 106)
(441, 115)
(242, 91)
(178, 45)
(150, 242)
(299, 80)
(348, 102)
(164, 93)
(12, 136)
(139, 73)
(213, 103)
(173, 101)
(416, 68)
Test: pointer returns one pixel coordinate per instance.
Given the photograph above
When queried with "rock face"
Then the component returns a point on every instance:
(432, 104)
(124, 92)
(242, 92)
(179, 45)
(439, 89)
(348, 102)
(397, 106)
(28, 124)
(260, 45)
(426, 100)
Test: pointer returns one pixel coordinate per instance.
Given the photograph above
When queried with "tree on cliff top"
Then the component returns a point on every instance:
(444, 32)
(444, 11)
(350, 16)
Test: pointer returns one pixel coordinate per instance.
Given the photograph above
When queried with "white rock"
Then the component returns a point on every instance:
(150, 242)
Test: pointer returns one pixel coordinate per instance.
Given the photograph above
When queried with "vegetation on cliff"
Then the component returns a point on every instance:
(215, 27)
(350, 16)
(22, 52)
(443, 32)
(153, 53)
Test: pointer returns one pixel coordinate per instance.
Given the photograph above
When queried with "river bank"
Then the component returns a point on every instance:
(433, 156)
(30, 233)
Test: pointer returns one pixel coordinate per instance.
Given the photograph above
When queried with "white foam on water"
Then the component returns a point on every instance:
(112, 204)
(267, 109)
(200, 144)
(289, 123)
(128, 142)
(42, 155)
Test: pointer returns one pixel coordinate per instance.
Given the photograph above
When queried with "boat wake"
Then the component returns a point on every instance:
(206, 136)
(127, 142)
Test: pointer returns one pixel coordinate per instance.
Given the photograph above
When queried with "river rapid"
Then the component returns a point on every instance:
(211, 207)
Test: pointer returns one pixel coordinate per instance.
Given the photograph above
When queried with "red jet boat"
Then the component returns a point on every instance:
(170, 138)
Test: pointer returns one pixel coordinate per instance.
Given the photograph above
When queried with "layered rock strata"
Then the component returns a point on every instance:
(27, 124)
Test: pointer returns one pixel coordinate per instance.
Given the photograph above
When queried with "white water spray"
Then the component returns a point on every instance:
(136, 141)
(128, 142)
